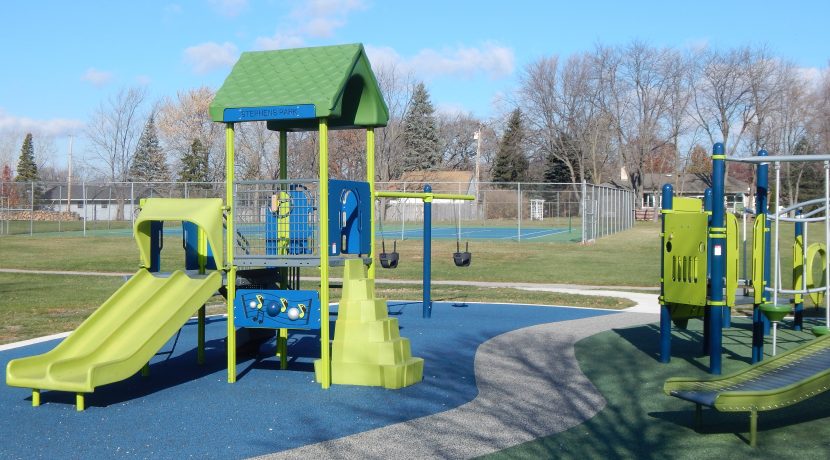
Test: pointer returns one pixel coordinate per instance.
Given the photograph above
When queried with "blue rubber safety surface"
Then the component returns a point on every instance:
(183, 409)
(475, 233)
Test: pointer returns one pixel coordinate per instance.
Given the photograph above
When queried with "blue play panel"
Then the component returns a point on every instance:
(186, 410)
(474, 233)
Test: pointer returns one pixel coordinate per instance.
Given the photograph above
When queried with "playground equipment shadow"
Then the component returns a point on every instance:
(183, 409)
(639, 421)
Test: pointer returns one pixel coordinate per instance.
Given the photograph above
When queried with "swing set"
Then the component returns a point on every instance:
(460, 258)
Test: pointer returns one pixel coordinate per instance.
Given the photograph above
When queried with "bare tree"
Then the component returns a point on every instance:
(721, 96)
(396, 87)
(113, 131)
(456, 133)
(184, 118)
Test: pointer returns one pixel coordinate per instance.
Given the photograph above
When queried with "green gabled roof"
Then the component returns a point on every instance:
(293, 88)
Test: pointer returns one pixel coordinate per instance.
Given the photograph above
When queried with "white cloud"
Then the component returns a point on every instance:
(98, 78)
(209, 56)
(279, 41)
(52, 127)
(308, 20)
(229, 8)
(490, 59)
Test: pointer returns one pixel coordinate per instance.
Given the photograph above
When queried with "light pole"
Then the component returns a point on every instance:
(477, 137)
(69, 176)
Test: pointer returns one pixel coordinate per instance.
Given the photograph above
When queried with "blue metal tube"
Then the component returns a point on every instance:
(427, 302)
(760, 325)
(665, 313)
(717, 238)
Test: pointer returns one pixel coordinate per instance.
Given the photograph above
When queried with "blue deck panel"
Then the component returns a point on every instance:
(186, 410)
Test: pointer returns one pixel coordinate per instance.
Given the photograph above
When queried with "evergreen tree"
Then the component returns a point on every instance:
(27, 170)
(26, 166)
(422, 149)
(510, 164)
(149, 163)
(195, 163)
(565, 152)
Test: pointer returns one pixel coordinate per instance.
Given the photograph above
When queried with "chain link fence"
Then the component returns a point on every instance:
(509, 211)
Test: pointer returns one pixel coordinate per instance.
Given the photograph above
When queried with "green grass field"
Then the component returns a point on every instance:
(32, 305)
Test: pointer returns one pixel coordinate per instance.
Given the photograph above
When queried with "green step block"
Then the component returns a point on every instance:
(367, 347)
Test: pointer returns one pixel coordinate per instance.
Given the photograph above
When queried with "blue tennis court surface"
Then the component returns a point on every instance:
(476, 233)
(186, 410)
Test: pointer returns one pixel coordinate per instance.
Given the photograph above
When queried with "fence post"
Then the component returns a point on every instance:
(83, 189)
(32, 208)
(582, 210)
(60, 198)
(519, 193)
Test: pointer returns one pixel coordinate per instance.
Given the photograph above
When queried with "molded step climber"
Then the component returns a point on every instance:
(368, 349)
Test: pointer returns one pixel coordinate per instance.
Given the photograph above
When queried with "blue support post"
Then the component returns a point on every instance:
(665, 313)
(427, 303)
(717, 237)
(156, 243)
(799, 306)
(760, 325)
(707, 207)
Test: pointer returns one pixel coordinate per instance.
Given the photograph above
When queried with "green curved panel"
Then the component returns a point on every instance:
(204, 212)
(758, 258)
(732, 257)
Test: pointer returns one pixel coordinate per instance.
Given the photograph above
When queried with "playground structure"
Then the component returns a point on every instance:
(699, 267)
(271, 229)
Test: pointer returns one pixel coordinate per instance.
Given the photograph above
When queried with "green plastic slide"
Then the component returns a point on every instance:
(118, 339)
(774, 383)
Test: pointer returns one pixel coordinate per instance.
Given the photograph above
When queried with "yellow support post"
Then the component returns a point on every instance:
(229, 243)
(35, 397)
(200, 332)
(325, 347)
(282, 348)
(370, 177)
(282, 335)
(80, 404)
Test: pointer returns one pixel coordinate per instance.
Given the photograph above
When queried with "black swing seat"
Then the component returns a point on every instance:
(462, 259)
(389, 259)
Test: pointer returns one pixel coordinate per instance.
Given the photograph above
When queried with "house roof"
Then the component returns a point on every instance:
(692, 183)
(292, 88)
(440, 181)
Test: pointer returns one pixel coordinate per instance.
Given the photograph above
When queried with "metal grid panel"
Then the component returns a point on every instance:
(276, 222)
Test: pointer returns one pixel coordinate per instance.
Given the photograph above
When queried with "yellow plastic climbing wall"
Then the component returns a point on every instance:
(368, 349)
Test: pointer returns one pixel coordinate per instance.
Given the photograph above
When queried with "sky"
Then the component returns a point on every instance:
(61, 59)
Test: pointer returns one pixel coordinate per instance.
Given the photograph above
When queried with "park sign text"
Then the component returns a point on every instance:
(276, 112)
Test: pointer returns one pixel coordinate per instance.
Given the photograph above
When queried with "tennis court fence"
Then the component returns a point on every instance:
(520, 211)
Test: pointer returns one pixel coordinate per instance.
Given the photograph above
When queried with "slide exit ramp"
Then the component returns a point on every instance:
(786, 379)
(119, 338)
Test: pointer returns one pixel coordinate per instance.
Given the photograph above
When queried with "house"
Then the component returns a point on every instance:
(114, 201)
(738, 194)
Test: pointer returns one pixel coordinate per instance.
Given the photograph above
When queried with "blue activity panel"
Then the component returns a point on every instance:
(274, 308)
(349, 231)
